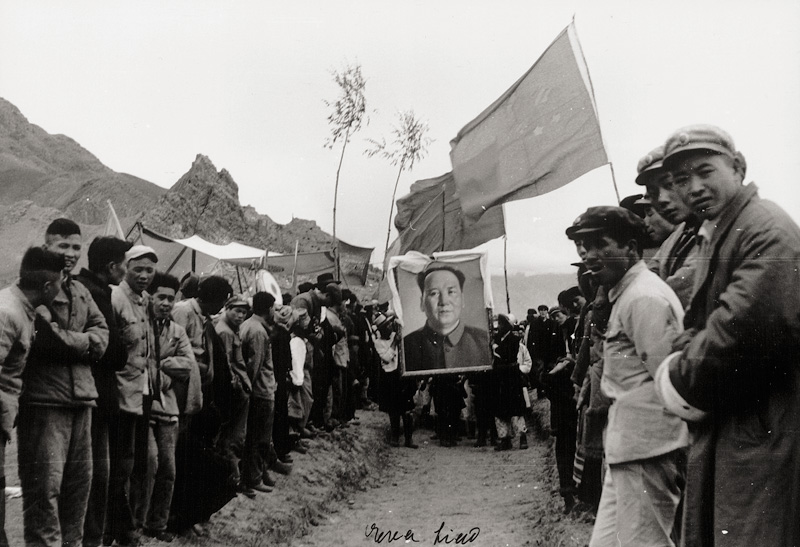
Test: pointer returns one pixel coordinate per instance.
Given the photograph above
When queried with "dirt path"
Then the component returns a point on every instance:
(351, 489)
(454, 496)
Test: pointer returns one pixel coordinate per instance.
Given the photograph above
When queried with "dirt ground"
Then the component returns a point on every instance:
(352, 489)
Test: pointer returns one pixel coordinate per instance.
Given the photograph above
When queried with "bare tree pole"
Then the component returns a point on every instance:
(409, 146)
(348, 113)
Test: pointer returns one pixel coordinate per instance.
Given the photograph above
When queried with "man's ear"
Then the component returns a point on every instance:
(740, 166)
(634, 248)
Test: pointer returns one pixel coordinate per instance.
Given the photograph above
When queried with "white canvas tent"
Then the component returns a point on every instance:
(195, 254)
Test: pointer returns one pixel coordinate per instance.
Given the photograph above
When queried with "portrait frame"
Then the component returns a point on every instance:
(471, 351)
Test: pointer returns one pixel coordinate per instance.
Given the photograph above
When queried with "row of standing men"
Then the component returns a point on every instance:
(686, 365)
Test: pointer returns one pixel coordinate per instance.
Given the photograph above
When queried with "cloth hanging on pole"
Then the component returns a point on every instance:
(540, 135)
(430, 219)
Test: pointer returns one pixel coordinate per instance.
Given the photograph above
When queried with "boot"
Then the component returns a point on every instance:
(481, 438)
(280, 467)
(408, 430)
(503, 444)
(523, 441)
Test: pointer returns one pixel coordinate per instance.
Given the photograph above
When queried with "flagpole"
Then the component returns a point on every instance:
(294, 268)
(505, 260)
(614, 181)
(444, 220)
(594, 103)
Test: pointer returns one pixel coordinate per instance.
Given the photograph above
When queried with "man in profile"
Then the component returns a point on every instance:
(445, 342)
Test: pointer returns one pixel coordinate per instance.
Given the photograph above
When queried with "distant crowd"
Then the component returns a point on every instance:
(143, 403)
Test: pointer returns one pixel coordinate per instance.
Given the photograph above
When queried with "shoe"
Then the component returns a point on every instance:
(280, 467)
(129, 541)
(410, 444)
(306, 433)
(569, 503)
(304, 443)
(503, 444)
(285, 458)
(200, 529)
(268, 480)
(394, 441)
(523, 441)
(300, 449)
(480, 443)
(246, 491)
(262, 487)
(160, 535)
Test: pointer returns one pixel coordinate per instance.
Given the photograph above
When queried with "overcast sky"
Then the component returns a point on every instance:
(146, 86)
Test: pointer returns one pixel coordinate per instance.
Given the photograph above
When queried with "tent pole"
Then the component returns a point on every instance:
(505, 270)
(177, 258)
(239, 279)
(194, 260)
(294, 268)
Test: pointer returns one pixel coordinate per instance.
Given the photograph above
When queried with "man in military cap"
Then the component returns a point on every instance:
(736, 378)
(674, 260)
(643, 444)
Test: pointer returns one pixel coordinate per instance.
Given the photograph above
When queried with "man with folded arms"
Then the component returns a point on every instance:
(58, 394)
(735, 376)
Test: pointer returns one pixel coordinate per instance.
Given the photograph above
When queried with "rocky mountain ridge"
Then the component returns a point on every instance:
(56, 172)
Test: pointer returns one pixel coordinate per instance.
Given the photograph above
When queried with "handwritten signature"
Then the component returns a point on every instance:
(440, 536)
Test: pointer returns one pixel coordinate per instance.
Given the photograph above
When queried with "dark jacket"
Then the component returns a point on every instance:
(465, 347)
(506, 377)
(742, 365)
(71, 335)
(116, 355)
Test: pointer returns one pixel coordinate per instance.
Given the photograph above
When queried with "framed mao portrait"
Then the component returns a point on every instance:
(444, 307)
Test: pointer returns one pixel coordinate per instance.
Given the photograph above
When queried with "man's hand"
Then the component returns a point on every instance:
(561, 365)
(683, 340)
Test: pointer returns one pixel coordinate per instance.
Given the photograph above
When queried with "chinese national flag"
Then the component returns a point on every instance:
(538, 136)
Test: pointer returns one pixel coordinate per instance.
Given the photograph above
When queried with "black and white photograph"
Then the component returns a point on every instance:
(452, 273)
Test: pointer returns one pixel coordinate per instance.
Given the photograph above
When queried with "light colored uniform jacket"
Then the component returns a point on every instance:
(140, 372)
(180, 376)
(257, 353)
(645, 321)
(16, 335)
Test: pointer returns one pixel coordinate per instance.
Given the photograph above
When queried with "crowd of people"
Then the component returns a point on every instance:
(143, 403)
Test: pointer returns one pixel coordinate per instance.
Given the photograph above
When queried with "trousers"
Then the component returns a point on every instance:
(55, 471)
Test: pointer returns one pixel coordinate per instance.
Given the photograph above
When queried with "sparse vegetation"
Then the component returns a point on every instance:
(410, 145)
